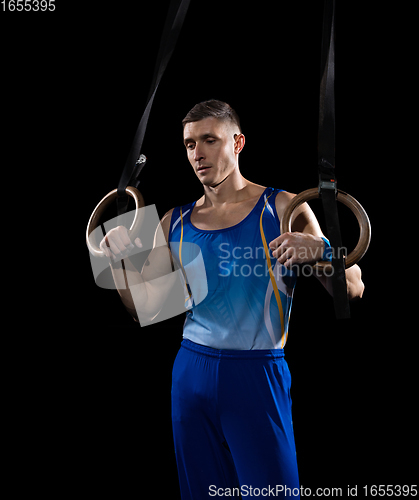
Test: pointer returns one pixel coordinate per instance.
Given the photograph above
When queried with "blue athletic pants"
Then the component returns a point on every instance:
(232, 424)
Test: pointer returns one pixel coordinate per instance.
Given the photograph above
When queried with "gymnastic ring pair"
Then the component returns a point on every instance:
(323, 266)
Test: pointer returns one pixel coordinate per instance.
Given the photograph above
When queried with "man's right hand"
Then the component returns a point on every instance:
(117, 245)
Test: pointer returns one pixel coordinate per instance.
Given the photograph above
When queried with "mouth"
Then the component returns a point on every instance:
(203, 168)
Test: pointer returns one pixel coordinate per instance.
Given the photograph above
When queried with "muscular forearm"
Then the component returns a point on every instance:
(354, 285)
(126, 275)
(144, 293)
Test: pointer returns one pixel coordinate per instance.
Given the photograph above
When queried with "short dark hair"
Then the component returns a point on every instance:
(212, 109)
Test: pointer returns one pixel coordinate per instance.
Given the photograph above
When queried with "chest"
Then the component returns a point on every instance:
(210, 219)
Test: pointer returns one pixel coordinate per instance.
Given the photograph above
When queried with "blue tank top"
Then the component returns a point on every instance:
(242, 300)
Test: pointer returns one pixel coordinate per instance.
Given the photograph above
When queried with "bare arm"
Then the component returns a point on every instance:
(143, 301)
(305, 245)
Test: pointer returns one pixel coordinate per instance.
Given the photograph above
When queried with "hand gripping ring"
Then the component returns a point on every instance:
(359, 212)
(100, 208)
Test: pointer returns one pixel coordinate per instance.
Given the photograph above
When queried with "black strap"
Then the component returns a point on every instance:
(326, 163)
(134, 164)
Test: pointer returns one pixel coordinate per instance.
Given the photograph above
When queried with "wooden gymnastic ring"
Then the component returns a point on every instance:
(101, 207)
(364, 225)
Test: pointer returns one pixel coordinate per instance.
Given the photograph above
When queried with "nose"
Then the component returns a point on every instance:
(198, 154)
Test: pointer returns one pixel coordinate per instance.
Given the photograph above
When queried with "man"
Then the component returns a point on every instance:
(231, 405)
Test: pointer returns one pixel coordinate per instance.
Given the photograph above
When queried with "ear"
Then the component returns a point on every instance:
(238, 143)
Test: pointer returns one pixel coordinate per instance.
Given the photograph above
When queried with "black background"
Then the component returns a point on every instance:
(94, 385)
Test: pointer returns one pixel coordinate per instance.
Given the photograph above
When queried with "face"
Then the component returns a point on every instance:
(213, 147)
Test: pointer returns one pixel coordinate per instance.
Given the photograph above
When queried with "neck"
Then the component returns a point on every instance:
(230, 190)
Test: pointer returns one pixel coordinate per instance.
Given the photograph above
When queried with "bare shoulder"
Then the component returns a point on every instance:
(282, 200)
(165, 223)
(255, 190)
(303, 218)
(158, 256)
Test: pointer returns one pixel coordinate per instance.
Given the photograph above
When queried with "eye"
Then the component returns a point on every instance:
(190, 145)
(210, 141)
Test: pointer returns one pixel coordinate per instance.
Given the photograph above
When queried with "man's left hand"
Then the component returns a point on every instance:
(297, 248)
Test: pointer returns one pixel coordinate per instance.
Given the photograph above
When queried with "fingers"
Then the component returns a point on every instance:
(137, 241)
(117, 245)
(104, 244)
(281, 251)
(278, 246)
(297, 248)
(277, 241)
(284, 255)
(287, 257)
(123, 235)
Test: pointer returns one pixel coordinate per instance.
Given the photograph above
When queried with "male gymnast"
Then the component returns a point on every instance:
(231, 404)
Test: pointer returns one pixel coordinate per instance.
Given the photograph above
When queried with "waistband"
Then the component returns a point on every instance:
(232, 353)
